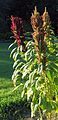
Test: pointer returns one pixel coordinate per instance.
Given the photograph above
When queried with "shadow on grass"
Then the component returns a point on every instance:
(5, 61)
(5, 69)
(10, 109)
(15, 111)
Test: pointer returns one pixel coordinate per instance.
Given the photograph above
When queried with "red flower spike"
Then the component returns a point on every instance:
(17, 28)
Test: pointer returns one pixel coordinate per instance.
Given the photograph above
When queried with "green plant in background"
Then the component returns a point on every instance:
(36, 66)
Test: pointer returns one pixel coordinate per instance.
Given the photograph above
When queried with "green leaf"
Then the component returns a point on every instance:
(52, 58)
(56, 81)
(40, 68)
(37, 85)
(11, 45)
(43, 103)
(29, 43)
(22, 66)
(29, 93)
(12, 52)
(16, 63)
(39, 100)
(27, 83)
(49, 106)
(21, 48)
(55, 66)
(23, 93)
(48, 73)
(19, 65)
(36, 107)
(31, 75)
(32, 110)
(27, 65)
(15, 56)
(16, 72)
(27, 54)
(17, 87)
(25, 73)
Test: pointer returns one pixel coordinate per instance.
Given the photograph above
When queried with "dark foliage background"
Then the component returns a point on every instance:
(24, 8)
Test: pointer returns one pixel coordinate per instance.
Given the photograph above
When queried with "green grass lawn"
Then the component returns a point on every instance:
(11, 106)
(6, 85)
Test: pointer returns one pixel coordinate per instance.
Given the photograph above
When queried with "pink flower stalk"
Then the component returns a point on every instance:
(16, 28)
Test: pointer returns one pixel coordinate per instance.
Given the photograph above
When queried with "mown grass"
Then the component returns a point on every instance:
(11, 106)
(6, 85)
